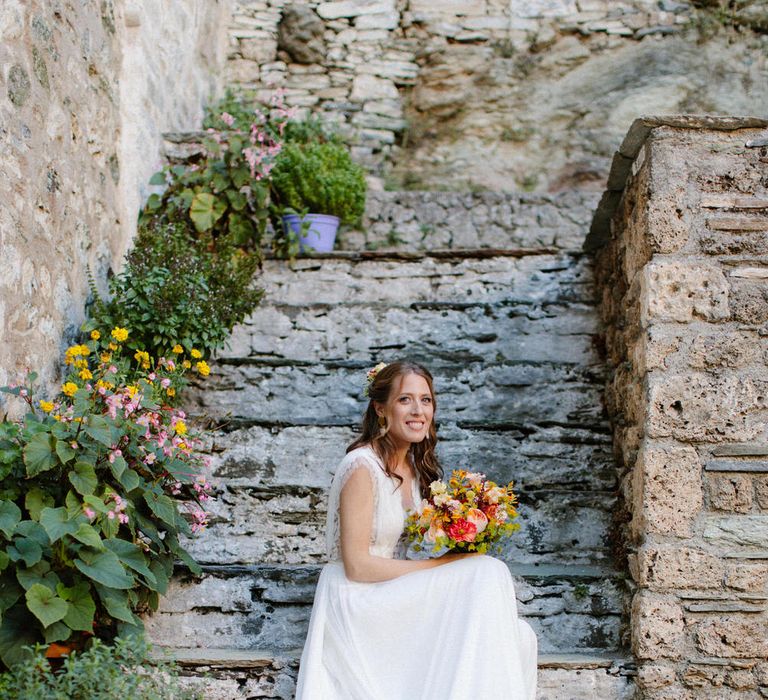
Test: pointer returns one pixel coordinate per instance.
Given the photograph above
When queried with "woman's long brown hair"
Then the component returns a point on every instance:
(425, 460)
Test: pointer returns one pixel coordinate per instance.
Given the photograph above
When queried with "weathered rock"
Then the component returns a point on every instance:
(731, 492)
(669, 567)
(667, 489)
(301, 34)
(658, 627)
(734, 636)
(738, 530)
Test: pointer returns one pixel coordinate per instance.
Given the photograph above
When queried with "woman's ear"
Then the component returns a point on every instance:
(378, 408)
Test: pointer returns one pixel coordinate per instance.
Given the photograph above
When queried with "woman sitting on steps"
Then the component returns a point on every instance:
(387, 628)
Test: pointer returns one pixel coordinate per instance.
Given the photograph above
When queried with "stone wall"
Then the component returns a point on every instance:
(681, 239)
(86, 89)
(484, 94)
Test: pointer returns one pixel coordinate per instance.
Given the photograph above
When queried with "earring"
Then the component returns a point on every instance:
(382, 422)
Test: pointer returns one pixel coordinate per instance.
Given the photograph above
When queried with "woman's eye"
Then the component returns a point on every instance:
(427, 399)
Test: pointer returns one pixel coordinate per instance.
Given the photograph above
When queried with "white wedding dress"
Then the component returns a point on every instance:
(446, 633)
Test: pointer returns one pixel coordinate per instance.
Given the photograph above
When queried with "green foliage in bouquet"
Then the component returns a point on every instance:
(102, 672)
(90, 482)
(177, 288)
(320, 178)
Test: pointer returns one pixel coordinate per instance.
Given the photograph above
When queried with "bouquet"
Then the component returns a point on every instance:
(468, 514)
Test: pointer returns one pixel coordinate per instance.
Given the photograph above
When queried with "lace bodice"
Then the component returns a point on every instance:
(388, 511)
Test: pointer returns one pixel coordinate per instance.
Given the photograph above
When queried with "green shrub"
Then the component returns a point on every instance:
(90, 524)
(320, 178)
(177, 288)
(102, 672)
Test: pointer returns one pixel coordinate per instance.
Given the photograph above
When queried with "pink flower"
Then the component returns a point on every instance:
(123, 518)
(149, 459)
(114, 455)
(165, 382)
(227, 118)
(433, 533)
(477, 518)
(89, 513)
(462, 531)
(111, 514)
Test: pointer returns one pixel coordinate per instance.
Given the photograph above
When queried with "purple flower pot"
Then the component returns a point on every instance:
(321, 234)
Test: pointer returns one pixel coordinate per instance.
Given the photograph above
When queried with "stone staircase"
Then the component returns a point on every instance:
(493, 294)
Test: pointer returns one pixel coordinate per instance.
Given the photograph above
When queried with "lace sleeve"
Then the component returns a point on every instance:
(357, 459)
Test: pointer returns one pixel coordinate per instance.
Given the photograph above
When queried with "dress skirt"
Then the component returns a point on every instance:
(446, 633)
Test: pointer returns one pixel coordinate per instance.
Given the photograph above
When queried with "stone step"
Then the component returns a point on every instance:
(470, 395)
(236, 674)
(571, 608)
(528, 280)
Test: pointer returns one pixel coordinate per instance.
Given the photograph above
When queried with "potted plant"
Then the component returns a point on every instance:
(315, 187)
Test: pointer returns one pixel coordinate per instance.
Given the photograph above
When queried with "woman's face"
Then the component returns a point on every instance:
(409, 410)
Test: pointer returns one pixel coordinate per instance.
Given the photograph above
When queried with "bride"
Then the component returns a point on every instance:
(387, 628)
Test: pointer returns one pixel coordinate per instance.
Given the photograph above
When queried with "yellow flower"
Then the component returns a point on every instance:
(47, 406)
(182, 445)
(85, 350)
(186, 364)
(203, 368)
(57, 417)
(106, 385)
(170, 391)
(196, 354)
(69, 388)
(132, 390)
(143, 358)
(120, 334)
(95, 335)
(106, 357)
(180, 427)
(86, 374)
(178, 349)
(113, 346)
(80, 364)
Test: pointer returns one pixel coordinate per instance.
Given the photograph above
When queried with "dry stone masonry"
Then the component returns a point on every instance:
(86, 90)
(484, 94)
(680, 241)
(492, 292)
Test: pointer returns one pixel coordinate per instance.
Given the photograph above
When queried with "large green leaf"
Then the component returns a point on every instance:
(161, 575)
(116, 603)
(129, 480)
(132, 557)
(26, 549)
(104, 568)
(181, 553)
(39, 573)
(45, 605)
(83, 478)
(33, 530)
(35, 500)
(98, 428)
(57, 523)
(162, 506)
(57, 632)
(10, 591)
(10, 515)
(118, 466)
(81, 606)
(64, 451)
(4, 560)
(39, 454)
(206, 209)
(88, 535)
(18, 629)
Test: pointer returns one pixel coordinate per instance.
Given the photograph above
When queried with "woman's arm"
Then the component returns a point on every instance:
(356, 521)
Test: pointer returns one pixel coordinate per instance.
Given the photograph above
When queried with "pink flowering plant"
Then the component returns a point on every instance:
(226, 190)
(97, 485)
(468, 514)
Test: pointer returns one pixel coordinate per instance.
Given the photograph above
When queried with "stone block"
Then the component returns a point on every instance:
(354, 8)
(742, 576)
(258, 49)
(732, 636)
(674, 290)
(749, 301)
(652, 676)
(731, 492)
(667, 489)
(761, 491)
(724, 349)
(740, 531)
(369, 87)
(658, 627)
(664, 567)
(706, 407)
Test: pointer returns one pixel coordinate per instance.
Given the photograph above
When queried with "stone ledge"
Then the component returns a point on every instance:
(261, 658)
(622, 165)
(439, 254)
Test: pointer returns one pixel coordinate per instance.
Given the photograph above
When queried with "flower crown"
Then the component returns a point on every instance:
(370, 376)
